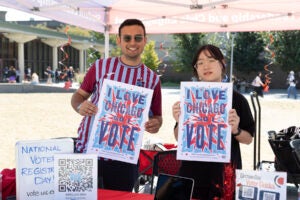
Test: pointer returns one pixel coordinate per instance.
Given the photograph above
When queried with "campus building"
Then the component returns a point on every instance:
(23, 46)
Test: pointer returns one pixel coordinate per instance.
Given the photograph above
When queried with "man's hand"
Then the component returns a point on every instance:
(87, 108)
(153, 124)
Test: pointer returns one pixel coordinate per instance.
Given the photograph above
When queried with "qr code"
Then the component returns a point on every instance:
(249, 192)
(75, 175)
(269, 196)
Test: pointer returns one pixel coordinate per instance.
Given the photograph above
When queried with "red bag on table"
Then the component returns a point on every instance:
(8, 183)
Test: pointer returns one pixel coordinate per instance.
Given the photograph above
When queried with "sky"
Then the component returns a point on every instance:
(15, 15)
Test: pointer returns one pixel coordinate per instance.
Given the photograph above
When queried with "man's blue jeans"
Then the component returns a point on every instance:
(292, 90)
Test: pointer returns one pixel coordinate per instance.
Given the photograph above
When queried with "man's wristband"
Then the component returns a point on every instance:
(238, 133)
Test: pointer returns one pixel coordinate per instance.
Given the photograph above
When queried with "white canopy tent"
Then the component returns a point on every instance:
(168, 16)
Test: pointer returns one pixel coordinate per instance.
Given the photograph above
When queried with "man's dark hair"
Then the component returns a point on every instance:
(132, 22)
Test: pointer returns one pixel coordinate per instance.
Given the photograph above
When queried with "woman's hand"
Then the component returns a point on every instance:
(176, 111)
(234, 121)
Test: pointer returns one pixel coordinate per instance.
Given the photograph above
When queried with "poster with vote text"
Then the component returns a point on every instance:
(203, 131)
(118, 127)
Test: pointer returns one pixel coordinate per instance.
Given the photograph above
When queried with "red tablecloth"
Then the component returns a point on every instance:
(117, 195)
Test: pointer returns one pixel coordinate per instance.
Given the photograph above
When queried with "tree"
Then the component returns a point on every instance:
(116, 51)
(287, 49)
(150, 57)
(248, 50)
(93, 55)
(186, 46)
(74, 30)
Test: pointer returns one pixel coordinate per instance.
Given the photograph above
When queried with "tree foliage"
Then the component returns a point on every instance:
(93, 55)
(116, 51)
(185, 47)
(287, 49)
(74, 30)
(248, 52)
(150, 57)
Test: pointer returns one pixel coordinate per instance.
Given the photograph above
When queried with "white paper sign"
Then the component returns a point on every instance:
(35, 170)
(118, 127)
(75, 176)
(260, 185)
(204, 133)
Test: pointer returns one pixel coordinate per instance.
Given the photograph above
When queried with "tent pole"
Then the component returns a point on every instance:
(231, 57)
(106, 44)
(106, 32)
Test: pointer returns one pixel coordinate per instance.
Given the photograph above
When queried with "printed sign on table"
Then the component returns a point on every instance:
(260, 185)
(75, 176)
(35, 167)
(204, 133)
(118, 127)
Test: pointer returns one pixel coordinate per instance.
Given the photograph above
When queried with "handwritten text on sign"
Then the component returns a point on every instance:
(39, 170)
(35, 169)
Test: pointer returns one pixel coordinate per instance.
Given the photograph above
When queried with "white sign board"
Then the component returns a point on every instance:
(35, 167)
(260, 185)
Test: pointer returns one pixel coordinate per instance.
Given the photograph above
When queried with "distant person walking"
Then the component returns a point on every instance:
(71, 74)
(28, 74)
(57, 75)
(12, 75)
(18, 75)
(49, 73)
(292, 85)
(258, 85)
(34, 79)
